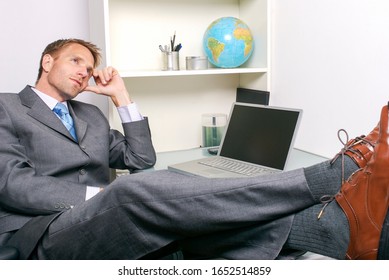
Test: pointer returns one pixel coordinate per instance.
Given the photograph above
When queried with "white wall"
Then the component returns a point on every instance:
(27, 27)
(331, 58)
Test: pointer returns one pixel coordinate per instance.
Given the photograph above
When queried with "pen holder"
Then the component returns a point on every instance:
(170, 61)
(213, 126)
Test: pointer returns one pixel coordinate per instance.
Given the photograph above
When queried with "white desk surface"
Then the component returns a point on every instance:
(298, 158)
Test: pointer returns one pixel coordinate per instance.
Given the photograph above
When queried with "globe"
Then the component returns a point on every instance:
(228, 42)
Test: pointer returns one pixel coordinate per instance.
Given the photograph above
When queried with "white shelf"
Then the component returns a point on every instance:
(130, 31)
(211, 71)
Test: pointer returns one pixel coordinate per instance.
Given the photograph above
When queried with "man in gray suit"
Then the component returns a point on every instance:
(57, 201)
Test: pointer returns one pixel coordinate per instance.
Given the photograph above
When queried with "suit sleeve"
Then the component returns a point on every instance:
(134, 150)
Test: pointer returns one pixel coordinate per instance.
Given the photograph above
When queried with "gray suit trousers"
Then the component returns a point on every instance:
(139, 214)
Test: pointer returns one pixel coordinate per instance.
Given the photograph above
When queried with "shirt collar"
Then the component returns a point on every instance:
(49, 101)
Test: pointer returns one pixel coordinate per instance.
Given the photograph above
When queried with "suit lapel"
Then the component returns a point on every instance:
(42, 113)
(80, 125)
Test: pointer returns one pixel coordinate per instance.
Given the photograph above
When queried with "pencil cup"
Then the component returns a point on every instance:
(170, 61)
(213, 126)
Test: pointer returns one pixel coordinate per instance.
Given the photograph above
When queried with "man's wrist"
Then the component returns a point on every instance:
(129, 113)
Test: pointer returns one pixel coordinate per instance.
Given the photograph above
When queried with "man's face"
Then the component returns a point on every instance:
(69, 71)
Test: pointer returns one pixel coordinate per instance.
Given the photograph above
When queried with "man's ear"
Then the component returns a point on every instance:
(47, 62)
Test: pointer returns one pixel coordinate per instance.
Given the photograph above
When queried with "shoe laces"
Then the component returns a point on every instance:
(325, 199)
(347, 146)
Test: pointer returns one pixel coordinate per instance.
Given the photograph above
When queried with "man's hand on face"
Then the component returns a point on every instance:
(109, 83)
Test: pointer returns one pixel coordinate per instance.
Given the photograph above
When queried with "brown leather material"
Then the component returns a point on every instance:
(364, 198)
(361, 148)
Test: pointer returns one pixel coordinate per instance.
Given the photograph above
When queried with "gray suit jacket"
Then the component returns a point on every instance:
(44, 171)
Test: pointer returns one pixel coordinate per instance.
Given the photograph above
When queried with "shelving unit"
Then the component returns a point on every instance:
(129, 33)
(213, 71)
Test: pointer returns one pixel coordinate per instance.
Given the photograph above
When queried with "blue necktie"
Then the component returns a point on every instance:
(63, 113)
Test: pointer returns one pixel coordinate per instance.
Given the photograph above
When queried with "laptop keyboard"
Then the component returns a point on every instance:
(235, 166)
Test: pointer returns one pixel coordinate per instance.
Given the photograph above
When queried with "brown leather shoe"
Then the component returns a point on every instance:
(360, 149)
(364, 198)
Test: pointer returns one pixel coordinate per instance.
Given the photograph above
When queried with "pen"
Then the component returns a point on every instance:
(178, 47)
(172, 47)
(173, 40)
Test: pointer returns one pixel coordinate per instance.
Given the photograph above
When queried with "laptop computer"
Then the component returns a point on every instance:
(258, 139)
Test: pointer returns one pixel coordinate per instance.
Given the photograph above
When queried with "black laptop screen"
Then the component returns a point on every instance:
(260, 134)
